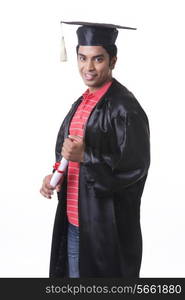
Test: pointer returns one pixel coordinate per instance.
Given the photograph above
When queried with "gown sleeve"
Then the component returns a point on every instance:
(129, 159)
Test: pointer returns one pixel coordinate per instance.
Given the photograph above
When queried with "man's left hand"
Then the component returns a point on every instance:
(73, 148)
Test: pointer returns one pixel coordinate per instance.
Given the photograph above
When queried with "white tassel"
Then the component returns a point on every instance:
(63, 53)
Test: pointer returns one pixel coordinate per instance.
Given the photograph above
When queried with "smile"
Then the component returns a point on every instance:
(88, 76)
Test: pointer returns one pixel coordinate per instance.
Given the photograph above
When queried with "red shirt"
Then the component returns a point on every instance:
(77, 128)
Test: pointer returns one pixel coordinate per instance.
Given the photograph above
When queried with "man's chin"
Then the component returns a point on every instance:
(92, 83)
(89, 82)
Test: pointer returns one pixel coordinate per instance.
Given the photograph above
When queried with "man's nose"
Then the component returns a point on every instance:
(89, 65)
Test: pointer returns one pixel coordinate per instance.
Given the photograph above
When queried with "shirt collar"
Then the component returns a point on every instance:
(98, 93)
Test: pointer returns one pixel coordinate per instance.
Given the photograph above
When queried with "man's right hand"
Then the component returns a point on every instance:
(46, 189)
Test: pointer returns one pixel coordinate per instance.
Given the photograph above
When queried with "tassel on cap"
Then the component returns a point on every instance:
(63, 53)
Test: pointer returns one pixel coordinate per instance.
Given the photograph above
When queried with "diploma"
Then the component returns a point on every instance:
(60, 168)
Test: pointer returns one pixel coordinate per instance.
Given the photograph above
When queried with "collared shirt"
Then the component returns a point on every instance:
(77, 128)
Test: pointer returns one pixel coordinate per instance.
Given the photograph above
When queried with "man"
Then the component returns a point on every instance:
(105, 138)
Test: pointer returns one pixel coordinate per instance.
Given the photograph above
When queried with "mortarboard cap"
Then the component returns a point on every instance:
(93, 34)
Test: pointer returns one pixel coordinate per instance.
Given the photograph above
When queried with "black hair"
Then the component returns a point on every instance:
(111, 50)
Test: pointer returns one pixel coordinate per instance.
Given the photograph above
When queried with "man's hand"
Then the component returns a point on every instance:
(73, 148)
(46, 189)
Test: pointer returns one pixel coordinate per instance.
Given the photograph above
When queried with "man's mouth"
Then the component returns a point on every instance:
(88, 76)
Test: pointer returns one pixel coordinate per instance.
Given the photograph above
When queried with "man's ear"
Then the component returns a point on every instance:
(113, 62)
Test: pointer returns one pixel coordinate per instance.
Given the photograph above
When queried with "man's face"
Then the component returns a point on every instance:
(95, 66)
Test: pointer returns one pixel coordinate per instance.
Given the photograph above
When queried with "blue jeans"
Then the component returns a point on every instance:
(73, 251)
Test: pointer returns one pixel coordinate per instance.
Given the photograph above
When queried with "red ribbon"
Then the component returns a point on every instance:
(56, 166)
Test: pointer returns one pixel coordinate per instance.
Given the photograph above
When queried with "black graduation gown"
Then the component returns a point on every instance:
(112, 178)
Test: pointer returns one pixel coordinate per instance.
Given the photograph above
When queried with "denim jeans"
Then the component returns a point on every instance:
(73, 251)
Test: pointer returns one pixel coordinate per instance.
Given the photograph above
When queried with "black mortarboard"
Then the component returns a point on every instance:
(94, 34)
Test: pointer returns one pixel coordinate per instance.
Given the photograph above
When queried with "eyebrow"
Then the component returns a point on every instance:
(99, 55)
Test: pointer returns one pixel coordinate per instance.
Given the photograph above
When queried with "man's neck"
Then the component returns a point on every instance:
(94, 89)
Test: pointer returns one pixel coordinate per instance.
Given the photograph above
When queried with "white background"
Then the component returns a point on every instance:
(36, 91)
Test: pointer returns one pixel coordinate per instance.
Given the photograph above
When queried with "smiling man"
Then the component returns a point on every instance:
(105, 138)
(95, 66)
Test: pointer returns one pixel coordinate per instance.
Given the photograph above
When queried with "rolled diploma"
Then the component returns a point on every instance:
(57, 175)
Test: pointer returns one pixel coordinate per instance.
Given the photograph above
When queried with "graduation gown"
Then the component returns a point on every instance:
(111, 183)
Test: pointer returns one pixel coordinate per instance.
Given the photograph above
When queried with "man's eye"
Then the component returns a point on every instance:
(99, 59)
(82, 58)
